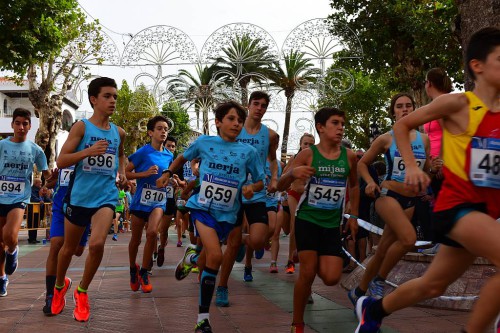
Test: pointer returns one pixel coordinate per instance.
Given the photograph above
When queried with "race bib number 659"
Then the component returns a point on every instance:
(217, 192)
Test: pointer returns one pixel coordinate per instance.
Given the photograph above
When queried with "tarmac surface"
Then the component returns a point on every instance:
(264, 305)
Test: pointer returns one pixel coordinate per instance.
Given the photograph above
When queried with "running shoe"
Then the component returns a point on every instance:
(11, 261)
(290, 267)
(203, 327)
(222, 296)
(195, 269)
(247, 274)
(497, 325)
(376, 288)
(161, 256)
(273, 268)
(366, 323)
(259, 253)
(146, 285)
(431, 251)
(48, 305)
(184, 266)
(179, 243)
(353, 297)
(59, 298)
(241, 253)
(82, 306)
(134, 278)
(3, 286)
(297, 328)
(115, 237)
(310, 299)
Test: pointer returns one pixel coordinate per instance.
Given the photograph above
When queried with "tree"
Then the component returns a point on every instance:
(365, 105)
(297, 74)
(179, 116)
(401, 39)
(133, 110)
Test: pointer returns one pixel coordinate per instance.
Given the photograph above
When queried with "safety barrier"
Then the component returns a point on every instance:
(37, 216)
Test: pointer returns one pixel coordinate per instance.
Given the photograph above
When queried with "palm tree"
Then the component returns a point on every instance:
(298, 74)
(245, 60)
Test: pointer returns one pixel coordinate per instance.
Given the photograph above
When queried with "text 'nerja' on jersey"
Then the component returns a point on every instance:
(259, 141)
(92, 184)
(323, 200)
(147, 196)
(223, 169)
(395, 166)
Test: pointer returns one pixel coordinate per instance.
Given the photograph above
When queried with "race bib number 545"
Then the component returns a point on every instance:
(326, 193)
(217, 192)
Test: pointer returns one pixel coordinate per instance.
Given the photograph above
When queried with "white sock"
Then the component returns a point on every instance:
(3, 277)
(202, 316)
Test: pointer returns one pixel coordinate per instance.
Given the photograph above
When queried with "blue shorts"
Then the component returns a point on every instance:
(221, 228)
(57, 227)
(5, 209)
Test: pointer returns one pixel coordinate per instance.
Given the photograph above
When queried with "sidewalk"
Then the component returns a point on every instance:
(263, 305)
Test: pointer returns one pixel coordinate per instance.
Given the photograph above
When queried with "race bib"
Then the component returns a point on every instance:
(326, 193)
(217, 192)
(153, 196)
(485, 162)
(64, 177)
(101, 164)
(170, 192)
(11, 187)
(399, 167)
(180, 203)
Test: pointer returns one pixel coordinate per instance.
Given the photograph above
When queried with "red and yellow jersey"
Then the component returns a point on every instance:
(472, 161)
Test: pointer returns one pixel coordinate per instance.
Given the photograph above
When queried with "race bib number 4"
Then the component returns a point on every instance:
(217, 192)
(102, 164)
(399, 167)
(153, 196)
(11, 187)
(485, 162)
(326, 193)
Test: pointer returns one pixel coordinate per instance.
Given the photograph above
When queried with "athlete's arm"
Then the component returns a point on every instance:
(299, 169)
(352, 223)
(122, 159)
(379, 146)
(153, 170)
(250, 189)
(273, 162)
(176, 165)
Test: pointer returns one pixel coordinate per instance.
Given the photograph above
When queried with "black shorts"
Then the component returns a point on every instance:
(141, 214)
(405, 202)
(255, 212)
(171, 208)
(82, 216)
(5, 209)
(312, 237)
(272, 209)
(286, 209)
(442, 222)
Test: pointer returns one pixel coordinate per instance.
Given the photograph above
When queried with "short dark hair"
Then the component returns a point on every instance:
(223, 108)
(96, 85)
(171, 139)
(396, 97)
(323, 114)
(21, 112)
(152, 122)
(480, 45)
(438, 78)
(259, 95)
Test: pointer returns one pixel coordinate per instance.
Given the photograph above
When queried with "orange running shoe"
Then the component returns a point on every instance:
(290, 267)
(146, 285)
(59, 298)
(82, 307)
(297, 328)
(134, 278)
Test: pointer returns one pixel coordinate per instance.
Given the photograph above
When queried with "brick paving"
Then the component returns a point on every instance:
(263, 305)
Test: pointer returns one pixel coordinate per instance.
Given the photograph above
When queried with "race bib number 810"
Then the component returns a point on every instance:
(217, 192)
(153, 196)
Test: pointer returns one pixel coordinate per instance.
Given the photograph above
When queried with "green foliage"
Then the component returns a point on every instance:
(179, 116)
(32, 31)
(401, 39)
(367, 103)
(133, 110)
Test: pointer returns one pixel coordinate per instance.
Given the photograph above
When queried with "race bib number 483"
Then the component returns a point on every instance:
(326, 193)
(102, 164)
(11, 187)
(217, 192)
(485, 162)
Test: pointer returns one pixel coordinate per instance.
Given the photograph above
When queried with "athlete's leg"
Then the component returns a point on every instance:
(302, 290)
(229, 257)
(135, 240)
(275, 239)
(72, 235)
(292, 204)
(151, 236)
(13, 222)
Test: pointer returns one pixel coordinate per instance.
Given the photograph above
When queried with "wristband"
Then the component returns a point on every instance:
(167, 171)
(353, 217)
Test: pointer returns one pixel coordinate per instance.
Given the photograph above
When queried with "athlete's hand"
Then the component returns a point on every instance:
(352, 224)
(196, 171)
(247, 191)
(163, 180)
(303, 172)
(153, 170)
(121, 180)
(416, 179)
(52, 180)
(98, 148)
(372, 189)
(272, 186)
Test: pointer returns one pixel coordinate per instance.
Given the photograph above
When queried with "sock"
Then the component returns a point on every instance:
(58, 287)
(143, 271)
(207, 287)
(50, 283)
(358, 292)
(199, 248)
(13, 252)
(81, 290)
(4, 277)
(202, 316)
(378, 278)
(193, 258)
(133, 270)
(377, 310)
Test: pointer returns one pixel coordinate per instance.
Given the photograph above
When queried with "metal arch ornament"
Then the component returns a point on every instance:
(306, 101)
(340, 80)
(275, 126)
(309, 128)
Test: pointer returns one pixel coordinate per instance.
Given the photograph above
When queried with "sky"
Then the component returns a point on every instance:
(122, 19)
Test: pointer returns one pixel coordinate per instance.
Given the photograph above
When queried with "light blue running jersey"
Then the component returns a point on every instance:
(224, 168)
(16, 169)
(61, 188)
(272, 198)
(259, 141)
(92, 184)
(147, 196)
(395, 166)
